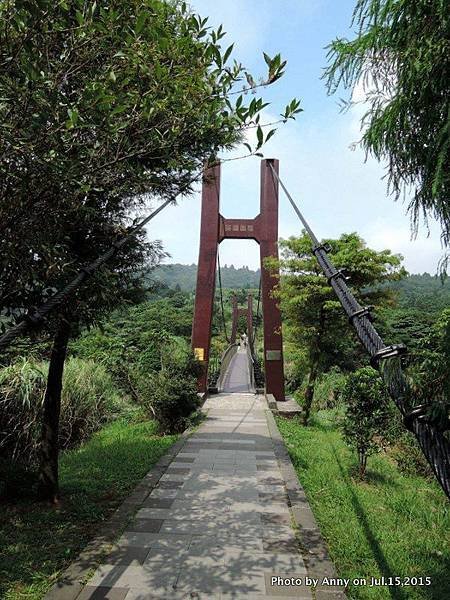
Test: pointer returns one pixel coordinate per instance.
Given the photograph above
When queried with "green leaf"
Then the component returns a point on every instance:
(228, 51)
(267, 59)
(140, 22)
(260, 136)
(270, 134)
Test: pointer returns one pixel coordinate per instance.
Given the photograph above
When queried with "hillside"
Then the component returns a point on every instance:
(421, 292)
(185, 276)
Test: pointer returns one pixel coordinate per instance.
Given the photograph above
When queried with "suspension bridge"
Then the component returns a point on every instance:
(220, 515)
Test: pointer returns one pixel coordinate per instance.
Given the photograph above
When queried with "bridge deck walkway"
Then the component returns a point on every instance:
(219, 523)
(237, 377)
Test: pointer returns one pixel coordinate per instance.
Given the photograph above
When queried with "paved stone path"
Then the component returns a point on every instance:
(217, 525)
(237, 377)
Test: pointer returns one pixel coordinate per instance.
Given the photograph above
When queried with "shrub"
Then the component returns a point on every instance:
(170, 395)
(89, 399)
(367, 413)
(328, 389)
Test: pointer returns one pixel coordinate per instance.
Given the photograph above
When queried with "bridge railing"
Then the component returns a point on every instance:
(251, 367)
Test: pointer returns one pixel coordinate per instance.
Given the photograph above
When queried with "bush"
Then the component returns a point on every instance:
(328, 389)
(170, 396)
(89, 399)
(367, 413)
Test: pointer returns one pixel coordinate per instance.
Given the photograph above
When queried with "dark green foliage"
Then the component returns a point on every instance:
(328, 389)
(147, 349)
(317, 327)
(132, 340)
(170, 395)
(426, 293)
(404, 326)
(430, 371)
(366, 413)
(402, 55)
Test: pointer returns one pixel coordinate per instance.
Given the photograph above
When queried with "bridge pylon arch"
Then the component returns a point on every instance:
(264, 230)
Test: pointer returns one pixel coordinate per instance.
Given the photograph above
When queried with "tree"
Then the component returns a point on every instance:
(102, 105)
(366, 414)
(401, 57)
(430, 372)
(316, 321)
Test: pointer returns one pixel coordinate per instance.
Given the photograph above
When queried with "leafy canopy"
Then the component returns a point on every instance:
(401, 55)
(315, 317)
(103, 104)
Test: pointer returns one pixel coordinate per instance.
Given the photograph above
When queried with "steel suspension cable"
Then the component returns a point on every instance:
(432, 441)
(224, 323)
(37, 316)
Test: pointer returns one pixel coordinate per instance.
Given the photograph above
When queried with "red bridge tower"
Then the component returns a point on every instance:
(264, 230)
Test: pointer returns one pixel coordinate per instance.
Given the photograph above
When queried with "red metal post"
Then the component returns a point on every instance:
(268, 243)
(206, 274)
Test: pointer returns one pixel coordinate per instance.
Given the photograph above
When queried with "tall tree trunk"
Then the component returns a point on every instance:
(309, 392)
(48, 475)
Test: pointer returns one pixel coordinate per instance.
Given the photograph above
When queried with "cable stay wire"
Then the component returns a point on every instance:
(430, 436)
(37, 316)
(224, 323)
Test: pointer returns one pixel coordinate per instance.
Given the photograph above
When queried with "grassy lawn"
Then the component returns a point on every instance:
(38, 541)
(391, 525)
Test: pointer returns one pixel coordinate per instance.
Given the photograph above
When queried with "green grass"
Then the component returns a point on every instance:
(38, 541)
(391, 525)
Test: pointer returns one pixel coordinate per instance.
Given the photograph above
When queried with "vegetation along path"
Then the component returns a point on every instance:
(220, 523)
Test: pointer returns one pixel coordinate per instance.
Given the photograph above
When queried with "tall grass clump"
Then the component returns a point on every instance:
(89, 400)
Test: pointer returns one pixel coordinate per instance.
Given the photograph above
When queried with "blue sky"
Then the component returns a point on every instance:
(336, 188)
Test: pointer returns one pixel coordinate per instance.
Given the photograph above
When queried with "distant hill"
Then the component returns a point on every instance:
(185, 276)
(422, 292)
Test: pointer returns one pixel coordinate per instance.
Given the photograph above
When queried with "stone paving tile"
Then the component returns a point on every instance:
(160, 579)
(127, 556)
(145, 525)
(218, 524)
(153, 540)
(151, 502)
(103, 593)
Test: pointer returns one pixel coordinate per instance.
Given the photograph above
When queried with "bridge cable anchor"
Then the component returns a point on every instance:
(325, 247)
(362, 312)
(420, 413)
(338, 273)
(388, 352)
